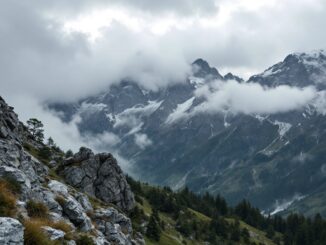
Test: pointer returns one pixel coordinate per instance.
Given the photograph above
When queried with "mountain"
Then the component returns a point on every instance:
(49, 198)
(38, 206)
(274, 160)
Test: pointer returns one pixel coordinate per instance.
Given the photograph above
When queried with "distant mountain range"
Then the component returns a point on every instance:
(277, 161)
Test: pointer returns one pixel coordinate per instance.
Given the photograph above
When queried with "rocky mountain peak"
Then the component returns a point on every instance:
(297, 69)
(230, 76)
(202, 69)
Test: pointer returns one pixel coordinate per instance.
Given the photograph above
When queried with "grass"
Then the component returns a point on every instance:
(13, 185)
(84, 240)
(37, 209)
(34, 235)
(7, 199)
(256, 235)
(169, 236)
(200, 216)
(35, 153)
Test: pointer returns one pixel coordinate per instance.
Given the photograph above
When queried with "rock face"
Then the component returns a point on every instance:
(11, 232)
(114, 225)
(100, 176)
(53, 234)
(97, 175)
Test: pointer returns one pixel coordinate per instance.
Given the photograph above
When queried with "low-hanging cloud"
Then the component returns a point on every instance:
(249, 98)
(245, 98)
(67, 135)
(40, 61)
(142, 140)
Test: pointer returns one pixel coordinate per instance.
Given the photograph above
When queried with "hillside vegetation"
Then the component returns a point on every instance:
(167, 217)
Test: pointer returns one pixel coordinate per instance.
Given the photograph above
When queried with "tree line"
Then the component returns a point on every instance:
(295, 229)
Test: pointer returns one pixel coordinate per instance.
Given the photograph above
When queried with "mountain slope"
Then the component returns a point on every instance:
(49, 198)
(271, 159)
(37, 206)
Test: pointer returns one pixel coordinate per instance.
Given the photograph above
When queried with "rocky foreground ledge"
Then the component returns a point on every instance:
(87, 200)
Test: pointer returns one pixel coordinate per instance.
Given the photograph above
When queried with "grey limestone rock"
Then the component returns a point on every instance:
(11, 232)
(100, 176)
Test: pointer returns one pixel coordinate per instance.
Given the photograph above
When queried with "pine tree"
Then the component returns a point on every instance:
(36, 129)
(50, 142)
(153, 228)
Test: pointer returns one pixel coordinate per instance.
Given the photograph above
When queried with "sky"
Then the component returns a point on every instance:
(63, 50)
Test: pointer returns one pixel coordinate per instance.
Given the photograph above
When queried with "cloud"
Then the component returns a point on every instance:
(39, 59)
(251, 98)
(142, 140)
(150, 42)
(246, 98)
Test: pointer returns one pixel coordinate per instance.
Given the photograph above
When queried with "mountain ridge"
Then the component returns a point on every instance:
(260, 149)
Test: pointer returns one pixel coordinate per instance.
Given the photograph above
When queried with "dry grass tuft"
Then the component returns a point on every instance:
(7, 199)
(37, 209)
(34, 234)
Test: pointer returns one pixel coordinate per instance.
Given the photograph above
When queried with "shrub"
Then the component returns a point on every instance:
(60, 225)
(7, 200)
(37, 209)
(45, 153)
(13, 185)
(85, 240)
(69, 153)
(34, 235)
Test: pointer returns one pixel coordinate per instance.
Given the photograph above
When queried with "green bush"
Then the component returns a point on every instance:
(37, 209)
(45, 153)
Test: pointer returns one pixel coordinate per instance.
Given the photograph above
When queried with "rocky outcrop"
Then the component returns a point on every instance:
(53, 234)
(99, 176)
(11, 232)
(114, 225)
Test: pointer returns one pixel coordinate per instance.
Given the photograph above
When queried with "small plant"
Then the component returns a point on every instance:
(13, 185)
(37, 209)
(60, 225)
(45, 153)
(33, 234)
(7, 200)
(85, 240)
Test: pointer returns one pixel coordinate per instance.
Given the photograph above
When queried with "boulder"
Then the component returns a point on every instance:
(58, 187)
(115, 226)
(84, 202)
(53, 234)
(75, 212)
(11, 232)
(100, 176)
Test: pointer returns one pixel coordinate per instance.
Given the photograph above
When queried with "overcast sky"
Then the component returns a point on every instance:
(63, 50)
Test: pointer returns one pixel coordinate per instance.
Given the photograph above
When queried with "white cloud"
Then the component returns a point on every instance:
(251, 98)
(132, 117)
(247, 98)
(40, 61)
(142, 140)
